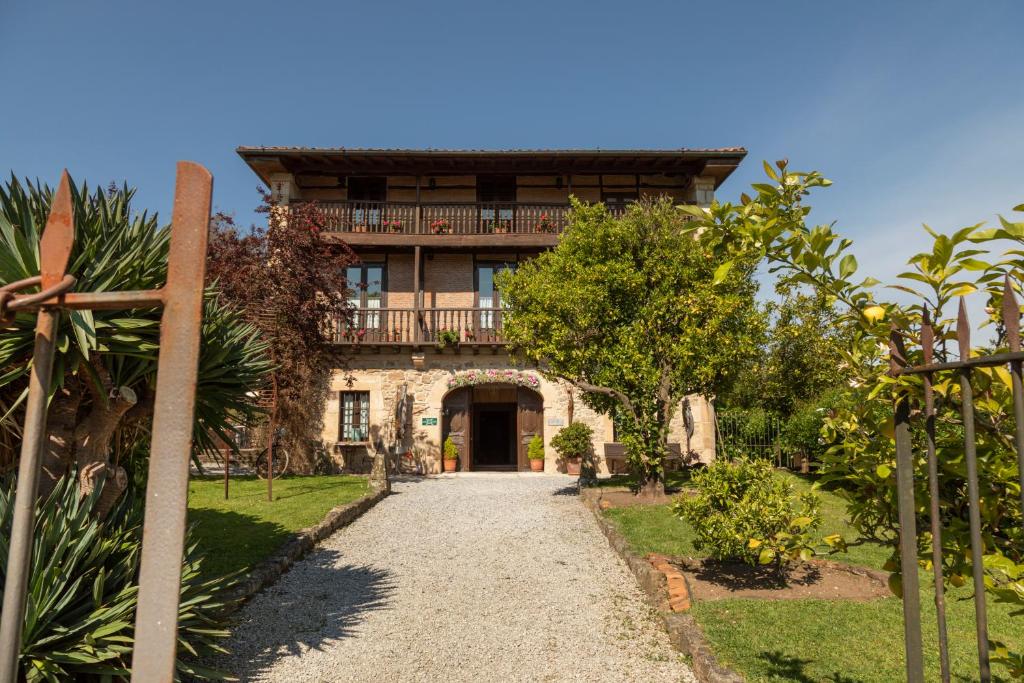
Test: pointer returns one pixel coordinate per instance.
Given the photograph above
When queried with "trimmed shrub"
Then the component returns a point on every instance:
(743, 512)
(535, 451)
(573, 441)
(451, 451)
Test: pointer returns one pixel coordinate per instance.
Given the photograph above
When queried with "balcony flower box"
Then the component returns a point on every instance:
(441, 227)
(545, 225)
(392, 226)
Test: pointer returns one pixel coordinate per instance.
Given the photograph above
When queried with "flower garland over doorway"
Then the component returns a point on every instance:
(473, 377)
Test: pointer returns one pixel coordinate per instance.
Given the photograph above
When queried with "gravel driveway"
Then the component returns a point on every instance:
(475, 577)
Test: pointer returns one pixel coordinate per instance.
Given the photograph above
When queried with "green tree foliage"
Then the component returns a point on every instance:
(637, 314)
(742, 511)
(80, 615)
(800, 358)
(105, 366)
(771, 225)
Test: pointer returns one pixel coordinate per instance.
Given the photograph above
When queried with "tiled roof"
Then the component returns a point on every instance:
(430, 150)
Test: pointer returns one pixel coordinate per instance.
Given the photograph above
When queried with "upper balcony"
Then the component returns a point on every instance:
(471, 224)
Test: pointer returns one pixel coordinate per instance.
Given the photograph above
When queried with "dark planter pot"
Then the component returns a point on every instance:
(572, 466)
(450, 465)
(537, 465)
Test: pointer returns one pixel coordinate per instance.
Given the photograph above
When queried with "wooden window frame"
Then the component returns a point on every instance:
(363, 399)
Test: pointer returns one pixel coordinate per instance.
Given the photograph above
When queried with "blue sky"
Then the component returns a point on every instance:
(915, 110)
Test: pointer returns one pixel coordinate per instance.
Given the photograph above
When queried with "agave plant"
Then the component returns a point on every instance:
(105, 367)
(82, 595)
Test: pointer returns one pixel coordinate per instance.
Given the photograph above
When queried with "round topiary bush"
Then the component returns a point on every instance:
(573, 441)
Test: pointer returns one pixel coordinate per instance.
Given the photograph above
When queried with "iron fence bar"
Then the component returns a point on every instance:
(1011, 322)
(974, 514)
(927, 340)
(912, 638)
(976, 362)
(19, 558)
(163, 537)
(54, 251)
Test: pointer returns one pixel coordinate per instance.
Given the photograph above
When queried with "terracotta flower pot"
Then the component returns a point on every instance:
(572, 466)
(536, 465)
(450, 465)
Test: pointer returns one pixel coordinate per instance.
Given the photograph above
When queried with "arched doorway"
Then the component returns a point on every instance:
(492, 425)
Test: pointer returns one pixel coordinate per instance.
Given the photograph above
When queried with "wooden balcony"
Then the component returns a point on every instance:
(449, 224)
(452, 328)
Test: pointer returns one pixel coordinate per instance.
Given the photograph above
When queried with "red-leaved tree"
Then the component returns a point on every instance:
(290, 281)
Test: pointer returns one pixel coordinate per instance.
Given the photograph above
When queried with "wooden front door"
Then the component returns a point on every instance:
(457, 424)
(531, 423)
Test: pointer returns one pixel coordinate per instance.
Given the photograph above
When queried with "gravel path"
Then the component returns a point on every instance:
(476, 577)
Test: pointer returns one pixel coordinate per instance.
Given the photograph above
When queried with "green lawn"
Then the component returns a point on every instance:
(820, 640)
(239, 532)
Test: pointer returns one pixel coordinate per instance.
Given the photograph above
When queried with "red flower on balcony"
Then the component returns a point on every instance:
(545, 224)
(441, 227)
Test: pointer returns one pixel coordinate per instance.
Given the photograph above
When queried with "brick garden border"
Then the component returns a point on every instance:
(666, 591)
(267, 572)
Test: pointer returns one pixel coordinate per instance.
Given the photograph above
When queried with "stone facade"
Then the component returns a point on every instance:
(384, 375)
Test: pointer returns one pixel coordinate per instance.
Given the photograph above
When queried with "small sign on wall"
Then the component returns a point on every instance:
(555, 422)
(428, 421)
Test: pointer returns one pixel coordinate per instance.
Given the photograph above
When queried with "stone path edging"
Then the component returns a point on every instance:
(683, 630)
(268, 571)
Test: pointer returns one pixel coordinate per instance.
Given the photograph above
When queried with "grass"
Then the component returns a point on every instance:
(237, 533)
(821, 640)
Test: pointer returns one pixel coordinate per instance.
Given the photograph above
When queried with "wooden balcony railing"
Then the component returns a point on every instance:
(478, 218)
(430, 326)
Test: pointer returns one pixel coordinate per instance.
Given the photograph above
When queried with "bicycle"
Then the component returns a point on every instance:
(281, 458)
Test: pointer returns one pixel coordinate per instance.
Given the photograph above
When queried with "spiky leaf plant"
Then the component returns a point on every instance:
(82, 596)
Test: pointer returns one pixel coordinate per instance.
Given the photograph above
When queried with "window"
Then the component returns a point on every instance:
(366, 293)
(355, 416)
(491, 191)
(364, 193)
(617, 201)
(487, 296)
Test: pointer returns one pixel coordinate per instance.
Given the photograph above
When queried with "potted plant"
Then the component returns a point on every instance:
(446, 337)
(545, 224)
(500, 227)
(573, 444)
(393, 226)
(535, 453)
(441, 227)
(451, 455)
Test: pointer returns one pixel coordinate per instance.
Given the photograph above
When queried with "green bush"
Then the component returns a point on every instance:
(741, 511)
(535, 451)
(573, 441)
(79, 621)
(801, 432)
(451, 451)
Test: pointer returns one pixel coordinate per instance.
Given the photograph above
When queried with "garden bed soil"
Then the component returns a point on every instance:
(814, 580)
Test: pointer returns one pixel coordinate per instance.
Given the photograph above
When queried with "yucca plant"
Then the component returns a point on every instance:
(105, 367)
(82, 594)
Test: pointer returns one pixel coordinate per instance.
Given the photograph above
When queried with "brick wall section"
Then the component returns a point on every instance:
(448, 281)
(400, 286)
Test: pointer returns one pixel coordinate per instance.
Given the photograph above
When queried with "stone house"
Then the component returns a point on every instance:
(432, 228)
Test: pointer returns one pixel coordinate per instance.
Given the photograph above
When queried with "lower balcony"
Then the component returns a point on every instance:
(440, 327)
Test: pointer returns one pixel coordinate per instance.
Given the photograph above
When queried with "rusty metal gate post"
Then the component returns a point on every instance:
(907, 520)
(164, 526)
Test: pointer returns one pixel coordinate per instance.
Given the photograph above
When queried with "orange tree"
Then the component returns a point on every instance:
(637, 314)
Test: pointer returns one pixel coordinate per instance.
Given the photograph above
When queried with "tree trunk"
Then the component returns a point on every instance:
(652, 488)
(92, 449)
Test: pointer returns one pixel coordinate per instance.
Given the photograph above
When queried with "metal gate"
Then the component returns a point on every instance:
(929, 371)
(156, 618)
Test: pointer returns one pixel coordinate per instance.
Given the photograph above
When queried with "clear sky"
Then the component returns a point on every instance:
(915, 110)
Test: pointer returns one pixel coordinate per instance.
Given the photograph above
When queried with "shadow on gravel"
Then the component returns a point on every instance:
(322, 608)
(571, 490)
